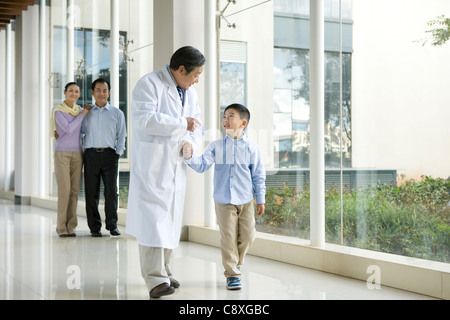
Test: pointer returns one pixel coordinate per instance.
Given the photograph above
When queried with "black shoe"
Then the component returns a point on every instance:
(71, 235)
(174, 283)
(161, 290)
(96, 234)
(115, 232)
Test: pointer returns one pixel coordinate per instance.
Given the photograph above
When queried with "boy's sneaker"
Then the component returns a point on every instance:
(233, 283)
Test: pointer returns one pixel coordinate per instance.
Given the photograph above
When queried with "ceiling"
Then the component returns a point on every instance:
(9, 10)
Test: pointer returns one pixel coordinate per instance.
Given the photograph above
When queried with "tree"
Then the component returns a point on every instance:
(440, 32)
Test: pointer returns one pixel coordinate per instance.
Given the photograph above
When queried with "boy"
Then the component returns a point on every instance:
(239, 177)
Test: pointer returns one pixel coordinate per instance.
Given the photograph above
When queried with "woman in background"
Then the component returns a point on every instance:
(65, 126)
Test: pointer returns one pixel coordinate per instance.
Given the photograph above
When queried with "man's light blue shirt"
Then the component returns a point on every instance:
(239, 174)
(104, 128)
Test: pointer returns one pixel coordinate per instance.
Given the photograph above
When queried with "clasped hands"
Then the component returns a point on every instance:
(186, 147)
(192, 124)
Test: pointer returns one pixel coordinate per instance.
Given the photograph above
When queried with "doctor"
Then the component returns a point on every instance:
(165, 116)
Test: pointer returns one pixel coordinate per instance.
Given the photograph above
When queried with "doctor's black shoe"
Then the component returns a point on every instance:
(174, 283)
(96, 234)
(161, 290)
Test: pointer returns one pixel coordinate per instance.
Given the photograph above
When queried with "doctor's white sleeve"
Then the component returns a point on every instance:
(145, 113)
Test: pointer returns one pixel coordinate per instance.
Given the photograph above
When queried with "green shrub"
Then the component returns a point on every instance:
(412, 219)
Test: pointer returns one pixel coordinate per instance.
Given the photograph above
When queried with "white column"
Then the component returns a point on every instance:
(26, 142)
(317, 103)
(114, 74)
(211, 107)
(8, 108)
(163, 32)
(70, 41)
(42, 136)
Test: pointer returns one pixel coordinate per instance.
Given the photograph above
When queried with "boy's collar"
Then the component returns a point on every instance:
(243, 136)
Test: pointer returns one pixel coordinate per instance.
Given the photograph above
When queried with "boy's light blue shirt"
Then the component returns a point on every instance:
(239, 174)
(104, 128)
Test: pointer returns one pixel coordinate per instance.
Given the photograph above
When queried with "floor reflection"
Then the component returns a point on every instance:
(36, 264)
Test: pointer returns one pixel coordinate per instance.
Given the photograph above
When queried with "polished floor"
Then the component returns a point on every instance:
(35, 264)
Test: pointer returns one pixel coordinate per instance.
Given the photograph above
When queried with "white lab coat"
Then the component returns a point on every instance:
(157, 171)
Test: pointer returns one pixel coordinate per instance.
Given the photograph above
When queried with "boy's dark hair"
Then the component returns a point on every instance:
(244, 113)
(187, 56)
(101, 80)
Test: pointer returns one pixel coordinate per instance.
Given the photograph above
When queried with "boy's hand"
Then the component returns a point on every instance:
(187, 150)
(260, 209)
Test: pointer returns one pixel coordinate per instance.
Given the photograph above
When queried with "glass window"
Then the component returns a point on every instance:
(92, 58)
(333, 10)
(233, 73)
(383, 153)
(291, 6)
(232, 83)
(334, 141)
(399, 203)
(291, 107)
(91, 50)
(291, 95)
(301, 7)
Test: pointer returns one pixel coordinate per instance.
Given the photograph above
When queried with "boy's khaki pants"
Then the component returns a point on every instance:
(237, 233)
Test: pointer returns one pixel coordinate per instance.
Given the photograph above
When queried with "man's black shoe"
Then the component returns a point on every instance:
(115, 232)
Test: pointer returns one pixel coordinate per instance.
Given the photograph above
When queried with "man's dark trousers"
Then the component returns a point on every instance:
(101, 164)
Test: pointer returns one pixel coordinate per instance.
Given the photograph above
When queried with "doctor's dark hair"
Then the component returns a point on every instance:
(187, 56)
(100, 80)
(244, 113)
